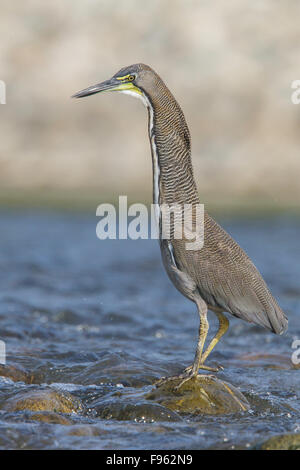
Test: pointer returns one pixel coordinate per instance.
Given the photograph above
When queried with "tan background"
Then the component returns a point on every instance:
(229, 63)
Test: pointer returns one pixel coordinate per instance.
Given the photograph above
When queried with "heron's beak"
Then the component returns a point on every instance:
(108, 85)
(113, 84)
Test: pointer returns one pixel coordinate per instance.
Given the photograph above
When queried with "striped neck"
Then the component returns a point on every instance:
(173, 180)
(169, 136)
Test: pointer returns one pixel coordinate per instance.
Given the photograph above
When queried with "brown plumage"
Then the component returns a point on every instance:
(220, 276)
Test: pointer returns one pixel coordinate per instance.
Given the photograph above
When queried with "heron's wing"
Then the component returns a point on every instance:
(227, 279)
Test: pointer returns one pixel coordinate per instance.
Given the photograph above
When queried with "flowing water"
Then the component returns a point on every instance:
(99, 321)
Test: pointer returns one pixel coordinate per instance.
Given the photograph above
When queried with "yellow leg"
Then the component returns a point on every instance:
(192, 371)
(223, 327)
(203, 330)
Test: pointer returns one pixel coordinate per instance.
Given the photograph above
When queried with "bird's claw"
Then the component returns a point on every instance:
(188, 374)
(185, 377)
(217, 368)
(163, 380)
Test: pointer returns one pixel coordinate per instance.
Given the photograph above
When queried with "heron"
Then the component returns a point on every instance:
(219, 276)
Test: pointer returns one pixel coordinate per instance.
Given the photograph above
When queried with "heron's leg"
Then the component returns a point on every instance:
(193, 370)
(203, 330)
(223, 327)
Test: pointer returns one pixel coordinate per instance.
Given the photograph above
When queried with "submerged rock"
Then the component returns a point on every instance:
(143, 412)
(50, 417)
(85, 430)
(204, 394)
(42, 400)
(16, 373)
(282, 442)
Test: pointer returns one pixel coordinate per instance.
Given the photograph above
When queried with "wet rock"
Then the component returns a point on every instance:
(270, 361)
(42, 400)
(204, 394)
(68, 317)
(50, 417)
(16, 373)
(282, 442)
(85, 430)
(115, 368)
(139, 412)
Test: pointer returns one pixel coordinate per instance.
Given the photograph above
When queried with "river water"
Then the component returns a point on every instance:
(100, 321)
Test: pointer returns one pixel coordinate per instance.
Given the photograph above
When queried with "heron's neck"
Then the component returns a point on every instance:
(173, 180)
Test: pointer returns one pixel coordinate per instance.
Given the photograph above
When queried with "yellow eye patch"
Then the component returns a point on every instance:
(128, 77)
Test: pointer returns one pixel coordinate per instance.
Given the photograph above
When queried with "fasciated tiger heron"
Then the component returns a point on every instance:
(219, 276)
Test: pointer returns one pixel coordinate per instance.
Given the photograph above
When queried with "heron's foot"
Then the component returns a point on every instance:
(188, 374)
(164, 380)
(185, 376)
(204, 367)
(191, 373)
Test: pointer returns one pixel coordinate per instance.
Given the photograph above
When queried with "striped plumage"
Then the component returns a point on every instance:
(219, 276)
(224, 275)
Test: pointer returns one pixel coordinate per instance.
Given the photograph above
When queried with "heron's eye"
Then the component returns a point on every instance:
(131, 78)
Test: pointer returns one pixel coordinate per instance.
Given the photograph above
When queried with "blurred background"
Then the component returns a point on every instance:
(229, 64)
(100, 320)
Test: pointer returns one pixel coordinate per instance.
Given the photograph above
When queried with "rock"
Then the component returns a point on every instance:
(282, 442)
(50, 417)
(143, 412)
(42, 400)
(85, 430)
(16, 373)
(204, 394)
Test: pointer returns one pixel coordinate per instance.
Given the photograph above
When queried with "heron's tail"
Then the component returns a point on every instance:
(278, 321)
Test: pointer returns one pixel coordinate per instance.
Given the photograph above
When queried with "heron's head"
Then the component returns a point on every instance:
(136, 80)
